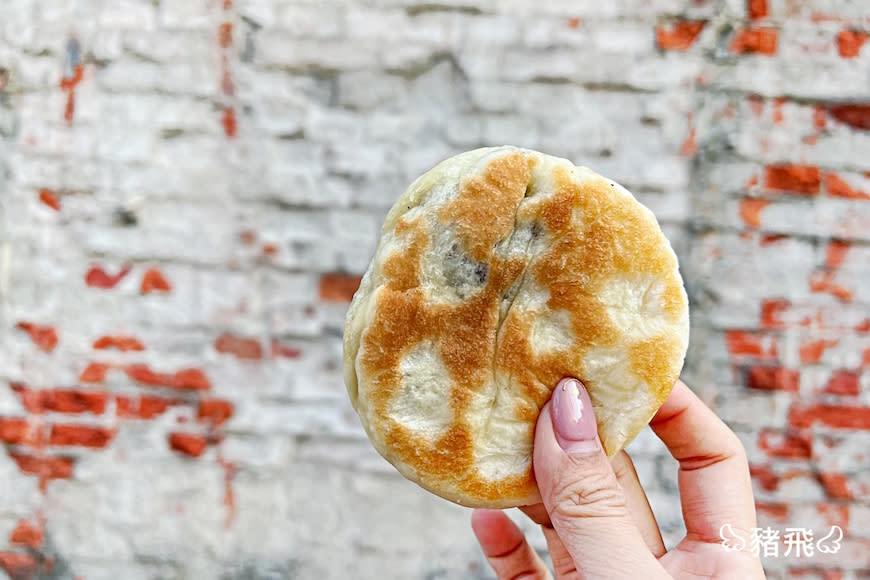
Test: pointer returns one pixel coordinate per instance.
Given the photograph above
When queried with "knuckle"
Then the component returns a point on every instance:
(732, 449)
(594, 494)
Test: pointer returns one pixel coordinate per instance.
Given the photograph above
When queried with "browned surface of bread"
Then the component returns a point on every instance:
(499, 273)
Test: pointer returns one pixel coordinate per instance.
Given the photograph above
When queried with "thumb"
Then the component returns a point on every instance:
(587, 507)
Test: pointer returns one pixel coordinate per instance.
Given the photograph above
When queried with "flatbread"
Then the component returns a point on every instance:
(499, 272)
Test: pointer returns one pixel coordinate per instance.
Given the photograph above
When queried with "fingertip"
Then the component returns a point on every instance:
(488, 522)
(481, 517)
(495, 531)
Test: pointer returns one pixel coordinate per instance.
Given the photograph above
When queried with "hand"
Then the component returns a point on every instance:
(595, 515)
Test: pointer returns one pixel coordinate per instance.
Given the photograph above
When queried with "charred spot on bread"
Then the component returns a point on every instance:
(462, 272)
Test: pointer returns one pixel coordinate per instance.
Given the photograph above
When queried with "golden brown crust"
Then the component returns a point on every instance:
(595, 276)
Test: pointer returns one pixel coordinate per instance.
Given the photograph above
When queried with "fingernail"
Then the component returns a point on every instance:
(573, 419)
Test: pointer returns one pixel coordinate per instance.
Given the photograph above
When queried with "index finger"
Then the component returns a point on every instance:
(714, 482)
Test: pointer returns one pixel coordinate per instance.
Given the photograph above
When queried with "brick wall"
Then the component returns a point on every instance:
(191, 190)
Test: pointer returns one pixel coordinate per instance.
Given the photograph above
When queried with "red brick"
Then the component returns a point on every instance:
(338, 287)
(247, 237)
(755, 41)
(835, 514)
(771, 312)
(191, 379)
(574, 22)
(836, 253)
(215, 411)
(764, 475)
(141, 407)
(836, 485)
(804, 179)
(768, 239)
(14, 430)
(225, 34)
(773, 379)
(756, 8)
(49, 198)
(811, 352)
(244, 348)
(823, 282)
(849, 42)
(18, 566)
(281, 350)
(679, 35)
(837, 187)
(30, 398)
(229, 123)
(772, 511)
(75, 401)
(857, 116)
(843, 382)
(863, 327)
(44, 337)
(144, 375)
(742, 343)
(46, 468)
(154, 281)
(27, 534)
(68, 85)
(122, 343)
(750, 211)
(820, 118)
(96, 277)
(837, 416)
(94, 373)
(187, 379)
(790, 445)
(772, 514)
(80, 435)
(189, 444)
(270, 249)
(777, 111)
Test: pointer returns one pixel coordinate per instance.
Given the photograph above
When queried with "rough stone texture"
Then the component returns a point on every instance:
(191, 190)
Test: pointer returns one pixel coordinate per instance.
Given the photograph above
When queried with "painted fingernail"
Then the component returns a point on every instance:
(573, 419)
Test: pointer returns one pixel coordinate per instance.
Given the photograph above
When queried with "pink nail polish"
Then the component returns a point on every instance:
(573, 419)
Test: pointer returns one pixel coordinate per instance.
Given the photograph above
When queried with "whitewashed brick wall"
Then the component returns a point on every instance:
(190, 190)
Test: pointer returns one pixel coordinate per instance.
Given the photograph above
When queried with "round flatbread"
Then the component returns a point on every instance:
(499, 272)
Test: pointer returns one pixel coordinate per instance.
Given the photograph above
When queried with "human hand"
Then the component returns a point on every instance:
(595, 515)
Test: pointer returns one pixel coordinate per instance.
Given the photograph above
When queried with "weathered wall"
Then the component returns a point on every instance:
(191, 189)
